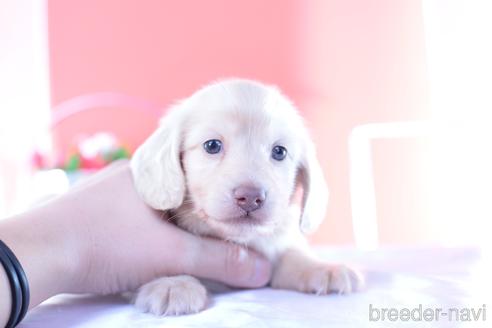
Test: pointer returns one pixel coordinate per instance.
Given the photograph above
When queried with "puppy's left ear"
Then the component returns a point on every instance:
(315, 190)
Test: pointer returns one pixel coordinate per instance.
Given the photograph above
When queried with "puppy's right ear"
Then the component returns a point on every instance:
(156, 165)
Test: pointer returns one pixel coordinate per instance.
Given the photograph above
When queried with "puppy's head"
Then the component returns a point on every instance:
(231, 157)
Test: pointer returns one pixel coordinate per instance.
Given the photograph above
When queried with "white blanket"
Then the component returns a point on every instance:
(397, 278)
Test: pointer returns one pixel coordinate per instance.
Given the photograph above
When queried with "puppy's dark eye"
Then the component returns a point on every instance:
(212, 146)
(279, 153)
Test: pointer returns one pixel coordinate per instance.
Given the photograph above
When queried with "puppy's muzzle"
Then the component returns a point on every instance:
(249, 198)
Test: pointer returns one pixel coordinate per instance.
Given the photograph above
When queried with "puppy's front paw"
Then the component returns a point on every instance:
(304, 275)
(172, 296)
(331, 279)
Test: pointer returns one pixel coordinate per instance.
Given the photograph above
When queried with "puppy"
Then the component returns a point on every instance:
(226, 163)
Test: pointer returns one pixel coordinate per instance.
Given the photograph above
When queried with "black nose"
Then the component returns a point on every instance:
(249, 198)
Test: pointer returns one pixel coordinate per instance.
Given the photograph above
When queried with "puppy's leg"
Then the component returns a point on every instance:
(171, 296)
(296, 270)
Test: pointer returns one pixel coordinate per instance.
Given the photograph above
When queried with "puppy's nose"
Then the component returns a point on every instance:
(249, 198)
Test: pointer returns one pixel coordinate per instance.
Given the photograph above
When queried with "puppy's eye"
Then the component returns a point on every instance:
(212, 146)
(279, 153)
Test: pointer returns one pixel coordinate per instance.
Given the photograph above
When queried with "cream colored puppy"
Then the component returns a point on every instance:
(226, 163)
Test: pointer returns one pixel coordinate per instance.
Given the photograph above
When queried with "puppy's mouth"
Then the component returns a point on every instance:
(246, 218)
(243, 219)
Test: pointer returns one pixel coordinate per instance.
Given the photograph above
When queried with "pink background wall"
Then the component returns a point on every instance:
(343, 63)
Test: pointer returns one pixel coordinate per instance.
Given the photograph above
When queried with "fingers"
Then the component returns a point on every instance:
(227, 262)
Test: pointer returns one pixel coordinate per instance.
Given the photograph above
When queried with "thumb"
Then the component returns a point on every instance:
(228, 263)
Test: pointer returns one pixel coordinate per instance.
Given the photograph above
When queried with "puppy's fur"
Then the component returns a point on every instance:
(174, 172)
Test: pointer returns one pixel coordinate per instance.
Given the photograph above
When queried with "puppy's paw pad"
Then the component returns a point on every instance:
(172, 296)
(333, 279)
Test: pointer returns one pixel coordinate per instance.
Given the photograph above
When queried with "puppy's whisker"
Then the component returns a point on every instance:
(175, 215)
(181, 213)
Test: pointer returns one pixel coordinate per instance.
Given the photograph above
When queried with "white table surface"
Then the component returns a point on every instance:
(396, 278)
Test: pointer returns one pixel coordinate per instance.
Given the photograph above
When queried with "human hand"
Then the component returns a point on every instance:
(101, 238)
(126, 243)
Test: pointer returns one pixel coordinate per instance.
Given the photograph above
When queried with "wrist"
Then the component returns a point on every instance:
(65, 247)
(44, 250)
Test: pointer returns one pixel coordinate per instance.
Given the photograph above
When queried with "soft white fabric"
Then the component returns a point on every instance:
(397, 278)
